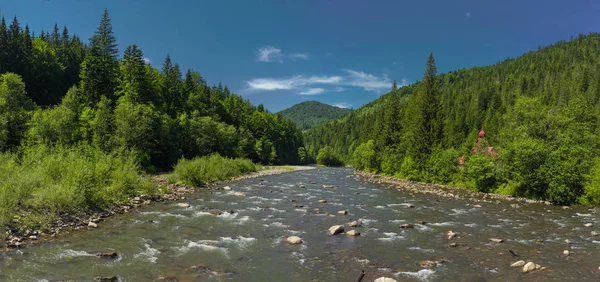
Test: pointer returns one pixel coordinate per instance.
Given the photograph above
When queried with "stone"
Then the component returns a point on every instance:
(421, 222)
(294, 240)
(336, 229)
(322, 201)
(353, 233)
(227, 188)
(301, 186)
(32, 237)
(567, 241)
(539, 240)
(594, 233)
(451, 235)
(530, 266)
(518, 263)
(92, 224)
(238, 194)
(407, 226)
(385, 279)
(112, 255)
(410, 206)
(183, 205)
(453, 245)
(343, 212)
(106, 278)
(328, 186)
(428, 264)
(496, 240)
(588, 224)
(477, 206)
(354, 224)
(566, 253)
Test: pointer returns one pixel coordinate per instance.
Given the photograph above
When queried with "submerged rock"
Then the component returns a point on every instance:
(183, 205)
(322, 201)
(496, 240)
(106, 278)
(451, 235)
(588, 224)
(294, 240)
(111, 255)
(428, 264)
(407, 226)
(518, 263)
(385, 279)
(343, 212)
(238, 194)
(336, 229)
(227, 188)
(353, 233)
(453, 245)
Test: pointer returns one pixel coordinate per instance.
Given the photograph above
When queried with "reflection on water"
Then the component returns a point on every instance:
(246, 240)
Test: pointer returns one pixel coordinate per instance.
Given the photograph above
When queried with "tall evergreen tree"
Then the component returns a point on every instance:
(3, 45)
(394, 86)
(100, 67)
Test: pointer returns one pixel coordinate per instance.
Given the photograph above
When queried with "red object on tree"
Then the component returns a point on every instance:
(481, 133)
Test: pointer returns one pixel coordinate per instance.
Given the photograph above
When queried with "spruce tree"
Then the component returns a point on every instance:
(3, 45)
(394, 86)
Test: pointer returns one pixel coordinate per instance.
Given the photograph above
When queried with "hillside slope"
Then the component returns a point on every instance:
(307, 115)
(539, 112)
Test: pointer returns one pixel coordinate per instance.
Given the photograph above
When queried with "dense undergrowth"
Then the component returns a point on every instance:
(202, 170)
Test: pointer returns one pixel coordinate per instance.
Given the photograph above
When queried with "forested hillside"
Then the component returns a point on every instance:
(539, 113)
(307, 115)
(79, 125)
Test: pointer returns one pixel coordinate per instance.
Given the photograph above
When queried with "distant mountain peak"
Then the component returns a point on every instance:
(309, 114)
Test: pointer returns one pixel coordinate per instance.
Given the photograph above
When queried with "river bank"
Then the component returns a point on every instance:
(67, 223)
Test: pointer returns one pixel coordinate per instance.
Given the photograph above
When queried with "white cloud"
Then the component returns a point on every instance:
(403, 82)
(468, 15)
(147, 61)
(300, 56)
(351, 78)
(312, 91)
(342, 105)
(269, 54)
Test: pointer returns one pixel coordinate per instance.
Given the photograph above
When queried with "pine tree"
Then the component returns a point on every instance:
(3, 45)
(99, 70)
(394, 86)
(54, 37)
(134, 83)
(64, 39)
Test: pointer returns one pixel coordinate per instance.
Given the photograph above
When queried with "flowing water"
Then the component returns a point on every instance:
(164, 241)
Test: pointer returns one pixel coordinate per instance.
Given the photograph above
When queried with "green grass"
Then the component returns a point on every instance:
(199, 171)
(44, 182)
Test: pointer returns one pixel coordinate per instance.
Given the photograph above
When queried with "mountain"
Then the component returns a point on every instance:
(538, 116)
(307, 115)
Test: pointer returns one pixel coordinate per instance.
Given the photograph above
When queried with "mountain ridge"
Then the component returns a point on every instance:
(309, 114)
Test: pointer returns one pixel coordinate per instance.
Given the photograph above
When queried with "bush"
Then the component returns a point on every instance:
(327, 157)
(199, 171)
(365, 157)
(442, 165)
(480, 173)
(48, 181)
(591, 190)
(409, 169)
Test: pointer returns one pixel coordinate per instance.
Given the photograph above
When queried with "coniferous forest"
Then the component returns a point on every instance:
(79, 124)
(526, 127)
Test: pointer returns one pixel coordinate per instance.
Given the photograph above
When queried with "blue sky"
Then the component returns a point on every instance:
(345, 53)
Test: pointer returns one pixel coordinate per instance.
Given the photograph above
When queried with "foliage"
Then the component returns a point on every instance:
(365, 158)
(540, 112)
(309, 114)
(199, 171)
(327, 157)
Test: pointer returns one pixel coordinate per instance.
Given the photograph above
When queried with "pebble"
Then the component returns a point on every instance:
(588, 224)
(407, 226)
(336, 229)
(183, 205)
(227, 188)
(566, 252)
(92, 224)
(354, 224)
(294, 240)
(529, 267)
(353, 233)
(518, 263)
(322, 201)
(453, 245)
(496, 240)
(343, 212)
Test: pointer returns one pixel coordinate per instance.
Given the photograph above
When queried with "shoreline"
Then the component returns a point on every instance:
(67, 223)
(445, 191)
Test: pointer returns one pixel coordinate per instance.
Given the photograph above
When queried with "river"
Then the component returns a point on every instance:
(166, 242)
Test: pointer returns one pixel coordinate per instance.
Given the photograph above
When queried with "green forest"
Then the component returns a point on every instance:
(309, 114)
(80, 124)
(538, 112)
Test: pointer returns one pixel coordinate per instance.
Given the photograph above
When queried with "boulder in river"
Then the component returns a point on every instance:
(92, 224)
(106, 278)
(421, 222)
(336, 229)
(294, 240)
(343, 212)
(428, 264)
(183, 205)
(111, 255)
(453, 245)
(407, 226)
(327, 186)
(322, 201)
(530, 266)
(496, 240)
(594, 233)
(238, 194)
(518, 263)
(451, 235)
(566, 253)
(301, 186)
(227, 188)
(385, 279)
(354, 224)
(588, 224)
(353, 233)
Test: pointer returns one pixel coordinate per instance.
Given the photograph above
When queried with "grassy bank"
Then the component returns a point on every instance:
(41, 183)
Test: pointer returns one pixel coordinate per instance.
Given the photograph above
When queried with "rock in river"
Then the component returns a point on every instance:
(530, 266)
(322, 201)
(343, 212)
(112, 255)
(354, 224)
(407, 226)
(227, 188)
(451, 234)
(518, 263)
(183, 205)
(594, 233)
(353, 233)
(385, 279)
(428, 264)
(566, 252)
(336, 229)
(588, 224)
(496, 240)
(92, 224)
(238, 194)
(294, 240)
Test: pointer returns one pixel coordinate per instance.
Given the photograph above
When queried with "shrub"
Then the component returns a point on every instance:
(199, 171)
(365, 157)
(327, 157)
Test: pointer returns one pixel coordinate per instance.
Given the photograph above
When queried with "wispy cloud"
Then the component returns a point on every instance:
(350, 78)
(342, 105)
(270, 54)
(403, 82)
(312, 91)
(147, 61)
